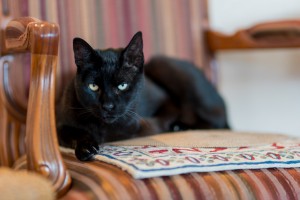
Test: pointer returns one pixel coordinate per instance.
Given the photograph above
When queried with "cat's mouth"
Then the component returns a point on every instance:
(109, 119)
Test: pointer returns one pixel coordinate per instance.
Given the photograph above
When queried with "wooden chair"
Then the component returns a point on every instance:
(32, 115)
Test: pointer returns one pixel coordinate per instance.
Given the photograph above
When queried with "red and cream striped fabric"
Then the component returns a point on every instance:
(113, 183)
(169, 27)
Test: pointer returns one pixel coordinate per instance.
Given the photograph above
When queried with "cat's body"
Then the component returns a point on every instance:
(194, 101)
(110, 99)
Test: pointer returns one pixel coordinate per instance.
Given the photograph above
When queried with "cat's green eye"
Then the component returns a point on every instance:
(93, 87)
(122, 86)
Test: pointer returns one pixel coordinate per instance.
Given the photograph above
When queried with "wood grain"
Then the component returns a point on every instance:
(12, 114)
(41, 39)
(281, 34)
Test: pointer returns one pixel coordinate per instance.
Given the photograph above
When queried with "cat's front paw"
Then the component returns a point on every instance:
(85, 151)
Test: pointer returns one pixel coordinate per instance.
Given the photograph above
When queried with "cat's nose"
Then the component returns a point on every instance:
(108, 106)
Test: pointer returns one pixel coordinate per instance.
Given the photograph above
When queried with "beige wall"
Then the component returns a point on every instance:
(261, 88)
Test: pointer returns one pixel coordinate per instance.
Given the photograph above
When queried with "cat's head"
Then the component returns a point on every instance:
(108, 81)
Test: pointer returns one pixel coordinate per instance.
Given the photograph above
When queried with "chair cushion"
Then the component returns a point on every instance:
(24, 185)
(200, 151)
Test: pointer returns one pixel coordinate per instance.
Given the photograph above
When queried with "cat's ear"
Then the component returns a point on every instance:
(133, 53)
(83, 52)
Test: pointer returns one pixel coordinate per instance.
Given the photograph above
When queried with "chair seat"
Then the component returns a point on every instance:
(106, 181)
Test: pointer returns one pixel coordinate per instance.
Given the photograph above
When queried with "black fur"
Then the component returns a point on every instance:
(193, 102)
(174, 96)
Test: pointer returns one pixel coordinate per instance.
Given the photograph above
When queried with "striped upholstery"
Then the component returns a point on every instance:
(239, 184)
(169, 27)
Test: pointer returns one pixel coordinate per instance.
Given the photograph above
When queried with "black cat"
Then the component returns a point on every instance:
(193, 102)
(109, 98)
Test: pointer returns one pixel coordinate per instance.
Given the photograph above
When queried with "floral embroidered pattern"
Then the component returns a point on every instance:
(149, 161)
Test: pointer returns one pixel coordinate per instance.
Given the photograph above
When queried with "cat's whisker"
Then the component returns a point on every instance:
(138, 117)
(83, 111)
(74, 108)
(132, 116)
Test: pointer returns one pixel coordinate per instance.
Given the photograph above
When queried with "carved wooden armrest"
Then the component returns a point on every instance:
(281, 34)
(42, 149)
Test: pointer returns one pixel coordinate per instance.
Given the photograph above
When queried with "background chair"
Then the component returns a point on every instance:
(27, 99)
